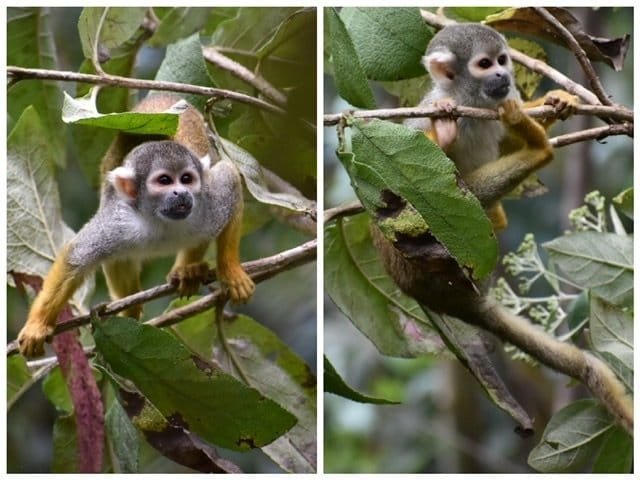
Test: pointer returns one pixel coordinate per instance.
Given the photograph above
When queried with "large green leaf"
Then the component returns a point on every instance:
(602, 262)
(351, 80)
(18, 378)
(356, 281)
(84, 111)
(248, 350)
(389, 41)
(611, 330)
(333, 383)
(30, 44)
(398, 170)
(123, 439)
(35, 228)
(177, 23)
(184, 63)
(208, 402)
(112, 26)
(573, 438)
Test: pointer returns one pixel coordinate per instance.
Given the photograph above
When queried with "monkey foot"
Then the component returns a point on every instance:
(188, 278)
(239, 284)
(32, 337)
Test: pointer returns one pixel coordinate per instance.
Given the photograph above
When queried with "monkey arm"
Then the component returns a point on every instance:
(62, 280)
(493, 180)
(73, 263)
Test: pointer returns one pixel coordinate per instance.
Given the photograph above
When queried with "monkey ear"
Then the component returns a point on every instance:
(123, 180)
(440, 66)
(206, 162)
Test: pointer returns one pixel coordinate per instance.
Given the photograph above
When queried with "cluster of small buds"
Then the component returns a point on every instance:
(591, 215)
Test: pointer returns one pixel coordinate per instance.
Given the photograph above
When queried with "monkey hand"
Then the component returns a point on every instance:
(563, 102)
(240, 285)
(444, 130)
(188, 278)
(33, 335)
(511, 112)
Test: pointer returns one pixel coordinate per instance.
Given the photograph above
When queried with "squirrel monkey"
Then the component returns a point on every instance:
(158, 198)
(470, 65)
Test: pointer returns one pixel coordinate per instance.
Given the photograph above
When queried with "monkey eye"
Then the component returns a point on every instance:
(484, 63)
(165, 180)
(186, 178)
(502, 59)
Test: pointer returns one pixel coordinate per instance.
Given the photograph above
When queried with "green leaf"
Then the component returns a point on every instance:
(624, 202)
(254, 180)
(35, 229)
(118, 25)
(473, 14)
(471, 346)
(410, 187)
(56, 390)
(184, 63)
(65, 445)
(526, 79)
(389, 41)
(209, 402)
(572, 439)
(351, 80)
(602, 262)
(611, 330)
(616, 455)
(123, 438)
(83, 111)
(18, 379)
(240, 344)
(177, 23)
(333, 383)
(356, 281)
(30, 44)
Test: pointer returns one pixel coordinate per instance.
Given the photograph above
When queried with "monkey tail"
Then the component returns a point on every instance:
(563, 357)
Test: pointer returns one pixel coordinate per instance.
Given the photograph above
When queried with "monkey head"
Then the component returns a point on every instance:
(161, 179)
(470, 63)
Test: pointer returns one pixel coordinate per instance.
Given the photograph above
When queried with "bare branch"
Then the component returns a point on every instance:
(613, 112)
(579, 53)
(19, 73)
(211, 54)
(344, 210)
(598, 133)
(258, 270)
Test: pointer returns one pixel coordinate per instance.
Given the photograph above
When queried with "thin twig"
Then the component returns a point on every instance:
(614, 112)
(211, 54)
(21, 73)
(579, 53)
(259, 270)
(598, 133)
(344, 210)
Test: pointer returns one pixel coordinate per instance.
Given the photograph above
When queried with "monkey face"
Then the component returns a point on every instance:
(175, 192)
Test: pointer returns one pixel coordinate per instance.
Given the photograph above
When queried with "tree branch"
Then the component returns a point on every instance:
(258, 270)
(20, 73)
(613, 112)
(579, 53)
(213, 55)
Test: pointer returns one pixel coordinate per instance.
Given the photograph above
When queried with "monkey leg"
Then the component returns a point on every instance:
(123, 279)
(189, 272)
(492, 181)
(230, 272)
(60, 283)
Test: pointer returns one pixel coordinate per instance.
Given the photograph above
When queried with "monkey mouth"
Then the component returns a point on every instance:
(178, 210)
